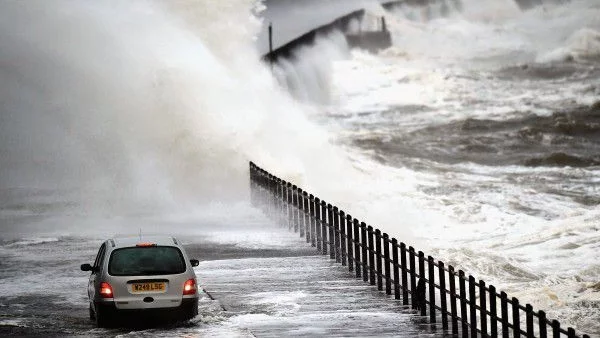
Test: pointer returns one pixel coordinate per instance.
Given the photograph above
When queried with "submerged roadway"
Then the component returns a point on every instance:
(258, 280)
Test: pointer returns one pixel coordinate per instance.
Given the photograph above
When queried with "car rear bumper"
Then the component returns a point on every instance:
(187, 310)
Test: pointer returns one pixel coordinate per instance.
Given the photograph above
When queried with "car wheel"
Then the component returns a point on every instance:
(193, 312)
(103, 318)
(92, 314)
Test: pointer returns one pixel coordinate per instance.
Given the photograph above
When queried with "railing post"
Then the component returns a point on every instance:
(371, 255)
(529, 320)
(386, 261)
(453, 312)
(256, 180)
(396, 266)
(266, 197)
(357, 246)
(266, 205)
(464, 316)
(555, 329)
(443, 306)
(504, 309)
(270, 196)
(313, 220)
(282, 200)
(421, 285)
(482, 308)
(342, 237)
(268, 184)
(571, 332)
(272, 185)
(306, 217)
(493, 312)
(263, 190)
(413, 278)
(364, 246)
(259, 189)
(336, 234)
(253, 184)
(290, 205)
(300, 205)
(259, 182)
(431, 277)
(350, 243)
(516, 318)
(251, 174)
(472, 309)
(302, 213)
(318, 222)
(332, 250)
(404, 270)
(295, 206)
(324, 230)
(275, 191)
(378, 259)
(263, 197)
(543, 326)
(275, 197)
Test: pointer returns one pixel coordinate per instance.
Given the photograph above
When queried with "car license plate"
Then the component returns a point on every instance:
(148, 287)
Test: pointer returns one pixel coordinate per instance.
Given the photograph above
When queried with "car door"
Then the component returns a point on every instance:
(96, 271)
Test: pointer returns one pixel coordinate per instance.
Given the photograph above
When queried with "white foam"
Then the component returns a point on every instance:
(13, 322)
(307, 72)
(505, 224)
(582, 45)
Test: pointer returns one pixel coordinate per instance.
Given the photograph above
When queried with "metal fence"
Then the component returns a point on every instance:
(462, 304)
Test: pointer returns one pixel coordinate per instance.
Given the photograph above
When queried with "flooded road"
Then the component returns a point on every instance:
(257, 281)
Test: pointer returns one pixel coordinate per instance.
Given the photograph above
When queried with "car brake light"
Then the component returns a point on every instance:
(144, 244)
(106, 290)
(189, 287)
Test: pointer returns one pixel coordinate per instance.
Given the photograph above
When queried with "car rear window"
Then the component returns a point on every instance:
(146, 261)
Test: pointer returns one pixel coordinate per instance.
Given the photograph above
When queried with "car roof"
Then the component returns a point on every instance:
(122, 242)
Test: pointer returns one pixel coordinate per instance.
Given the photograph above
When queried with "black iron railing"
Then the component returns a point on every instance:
(461, 303)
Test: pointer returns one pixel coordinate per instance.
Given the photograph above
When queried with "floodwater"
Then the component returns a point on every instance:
(257, 280)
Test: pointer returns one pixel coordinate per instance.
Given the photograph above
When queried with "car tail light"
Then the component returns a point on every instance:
(106, 290)
(145, 244)
(189, 287)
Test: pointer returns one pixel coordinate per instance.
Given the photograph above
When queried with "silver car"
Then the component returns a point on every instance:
(151, 277)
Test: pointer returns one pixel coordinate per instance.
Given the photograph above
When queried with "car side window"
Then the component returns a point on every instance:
(100, 257)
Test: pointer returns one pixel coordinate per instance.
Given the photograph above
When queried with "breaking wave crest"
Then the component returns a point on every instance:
(582, 46)
(149, 105)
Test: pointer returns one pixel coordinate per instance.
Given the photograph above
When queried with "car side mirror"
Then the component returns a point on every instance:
(194, 262)
(87, 267)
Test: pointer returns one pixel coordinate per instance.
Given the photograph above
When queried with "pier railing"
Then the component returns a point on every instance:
(458, 301)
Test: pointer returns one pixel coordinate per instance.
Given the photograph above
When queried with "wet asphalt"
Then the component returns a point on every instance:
(248, 290)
